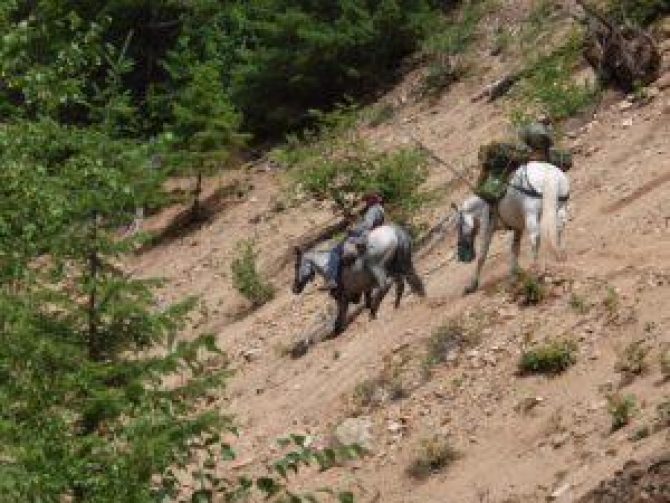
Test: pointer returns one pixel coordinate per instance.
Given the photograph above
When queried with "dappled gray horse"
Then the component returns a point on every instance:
(535, 201)
(387, 259)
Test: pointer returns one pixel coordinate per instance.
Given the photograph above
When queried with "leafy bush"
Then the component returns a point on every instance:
(638, 11)
(664, 361)
(552, 357)
(549, 87)
(337, 164)
(444, 341)
(621, 409)
(632, 361)
(611, 301)
(663, 414)
(529, 289)
(380, 114)
(578, 303)
(439, 77)
(453, 35)
(449, 37)
(372, 393)
(434, 455)
(246, 278)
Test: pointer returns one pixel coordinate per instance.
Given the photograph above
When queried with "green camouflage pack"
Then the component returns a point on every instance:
(503, 157)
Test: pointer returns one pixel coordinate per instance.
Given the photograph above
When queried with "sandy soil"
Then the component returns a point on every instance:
(560, 446)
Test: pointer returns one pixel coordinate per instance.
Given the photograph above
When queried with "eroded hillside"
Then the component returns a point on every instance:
(517, 438)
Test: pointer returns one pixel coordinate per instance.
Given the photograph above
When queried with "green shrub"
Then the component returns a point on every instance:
(439, 77)
(633, 359)
(336, 163)
(453, 35)
(380, 114)
(445, 340)
(640, 12)
(246, 278)
(663, 414)
(549, 86)
(551, 357)
(664, 361)
(434, 455)
(621, 409)
(529, 289)
(578, 303)
(371, 393)
(450, 37)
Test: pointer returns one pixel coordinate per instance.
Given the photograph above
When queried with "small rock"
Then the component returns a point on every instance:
(559, 491)
(625, 105)
(250, 355)
(355, 430)
(559, 440)
(395, 427)
(628, 122)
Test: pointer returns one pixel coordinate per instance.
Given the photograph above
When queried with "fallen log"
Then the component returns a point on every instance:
(498, 88)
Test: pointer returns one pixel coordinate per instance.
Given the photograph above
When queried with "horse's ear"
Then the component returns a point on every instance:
(298, 251)
(454, 207)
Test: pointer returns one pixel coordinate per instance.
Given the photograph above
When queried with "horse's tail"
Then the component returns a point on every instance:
(548, 224)
(404, 264)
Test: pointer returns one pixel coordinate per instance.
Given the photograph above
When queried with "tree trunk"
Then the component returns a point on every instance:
(94, 349)
(196, 207)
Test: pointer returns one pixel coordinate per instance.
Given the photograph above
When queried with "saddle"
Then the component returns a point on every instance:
(353, 247)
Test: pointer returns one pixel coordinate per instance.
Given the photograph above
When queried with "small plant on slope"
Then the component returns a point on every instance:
(529, 289)
(664, 361)
(549, 86)
(632, 361)
(578, 303)
(621, 409)
(662, 415)
(246, 278)
(552, 357)
(434, 455)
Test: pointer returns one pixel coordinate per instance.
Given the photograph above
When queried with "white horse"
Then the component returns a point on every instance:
(387, 256)
(535, 201)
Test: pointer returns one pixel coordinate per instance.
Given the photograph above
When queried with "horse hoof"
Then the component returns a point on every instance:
(470, 289)
(299, 349)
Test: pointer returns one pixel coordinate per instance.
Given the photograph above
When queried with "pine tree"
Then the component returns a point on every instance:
(205, 126)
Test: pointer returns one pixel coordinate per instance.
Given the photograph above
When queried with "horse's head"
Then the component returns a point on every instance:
(468, 227)
(304, 272)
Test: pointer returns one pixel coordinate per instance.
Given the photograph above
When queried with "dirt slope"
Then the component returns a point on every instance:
(559, 446)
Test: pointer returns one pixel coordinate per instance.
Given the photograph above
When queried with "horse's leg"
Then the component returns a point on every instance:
(399, 290)
(341, 320)
(367, 295)
(487, 236)
(515, 252)
(377, 299)
(533, 227)
(562, 220)
(379, 275)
